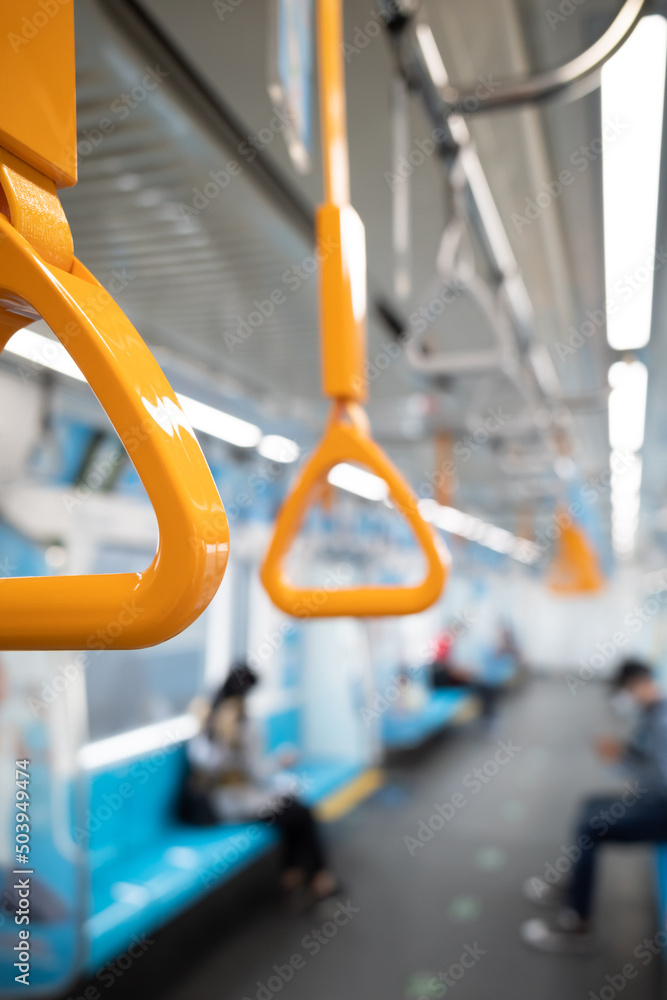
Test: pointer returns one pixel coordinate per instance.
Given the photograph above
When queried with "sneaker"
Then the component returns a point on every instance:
(540, 893)
(567, 934)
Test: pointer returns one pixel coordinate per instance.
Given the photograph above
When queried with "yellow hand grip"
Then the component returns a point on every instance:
(342, 293)
(126, 610)
(575, 568)
(349, 442)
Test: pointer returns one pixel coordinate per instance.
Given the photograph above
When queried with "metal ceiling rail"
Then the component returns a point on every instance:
(552, 82)
(447, 110)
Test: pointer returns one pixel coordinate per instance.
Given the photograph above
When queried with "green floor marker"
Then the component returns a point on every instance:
(464, 908)
(490, 859)
(423, 985)
(513, 811)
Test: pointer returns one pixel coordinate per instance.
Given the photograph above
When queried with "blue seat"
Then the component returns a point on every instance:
(401, 730)
(146, 866)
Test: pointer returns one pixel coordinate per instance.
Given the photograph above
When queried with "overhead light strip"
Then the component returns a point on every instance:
(40, 350)
(371, 487)
(633, 86)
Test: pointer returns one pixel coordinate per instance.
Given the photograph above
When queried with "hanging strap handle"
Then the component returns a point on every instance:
(342, 252)
(346, 440)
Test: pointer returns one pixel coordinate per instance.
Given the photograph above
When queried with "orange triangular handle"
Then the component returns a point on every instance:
(125, 610)
(575, 568)
(349, 442)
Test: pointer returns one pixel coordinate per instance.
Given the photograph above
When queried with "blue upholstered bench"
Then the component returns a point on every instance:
(401, 730)
(146, 866)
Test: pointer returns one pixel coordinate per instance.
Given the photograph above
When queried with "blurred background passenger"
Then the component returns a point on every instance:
(445, 672)
(636, 813)
(230, 780)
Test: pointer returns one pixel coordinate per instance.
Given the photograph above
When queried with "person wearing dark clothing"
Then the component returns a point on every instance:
(231, 780)
(636, 814)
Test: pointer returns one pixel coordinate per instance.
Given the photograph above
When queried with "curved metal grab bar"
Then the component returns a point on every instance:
(512, 93)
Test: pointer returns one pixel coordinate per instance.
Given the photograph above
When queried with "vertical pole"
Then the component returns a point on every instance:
(332, 102)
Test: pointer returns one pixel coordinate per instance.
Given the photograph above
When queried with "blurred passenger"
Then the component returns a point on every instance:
(445, 673)
(637, 813)
(495, 667)
(230, 781)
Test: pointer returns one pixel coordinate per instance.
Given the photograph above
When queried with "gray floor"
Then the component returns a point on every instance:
(418, 914)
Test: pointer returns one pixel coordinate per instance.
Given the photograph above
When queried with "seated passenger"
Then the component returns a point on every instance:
(443, 669)
(635, 814)
(230, 782)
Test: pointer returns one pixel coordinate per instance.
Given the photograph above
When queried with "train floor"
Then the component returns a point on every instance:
(413, 908)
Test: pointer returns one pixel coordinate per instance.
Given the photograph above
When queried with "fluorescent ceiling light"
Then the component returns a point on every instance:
(627, 478)
(633, 85)
(455, 522)
(355, 480)
(40, 350)
(625, 492)
(627, 405)
(278, 449)
(210, 420)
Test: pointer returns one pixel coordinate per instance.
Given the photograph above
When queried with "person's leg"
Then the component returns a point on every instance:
(628, 816)
(303, 844)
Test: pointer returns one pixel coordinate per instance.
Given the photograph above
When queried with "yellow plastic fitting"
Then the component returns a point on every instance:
(37, 81)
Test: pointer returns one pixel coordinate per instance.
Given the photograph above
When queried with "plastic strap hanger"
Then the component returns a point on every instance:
(343, 344)
(40, 277)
